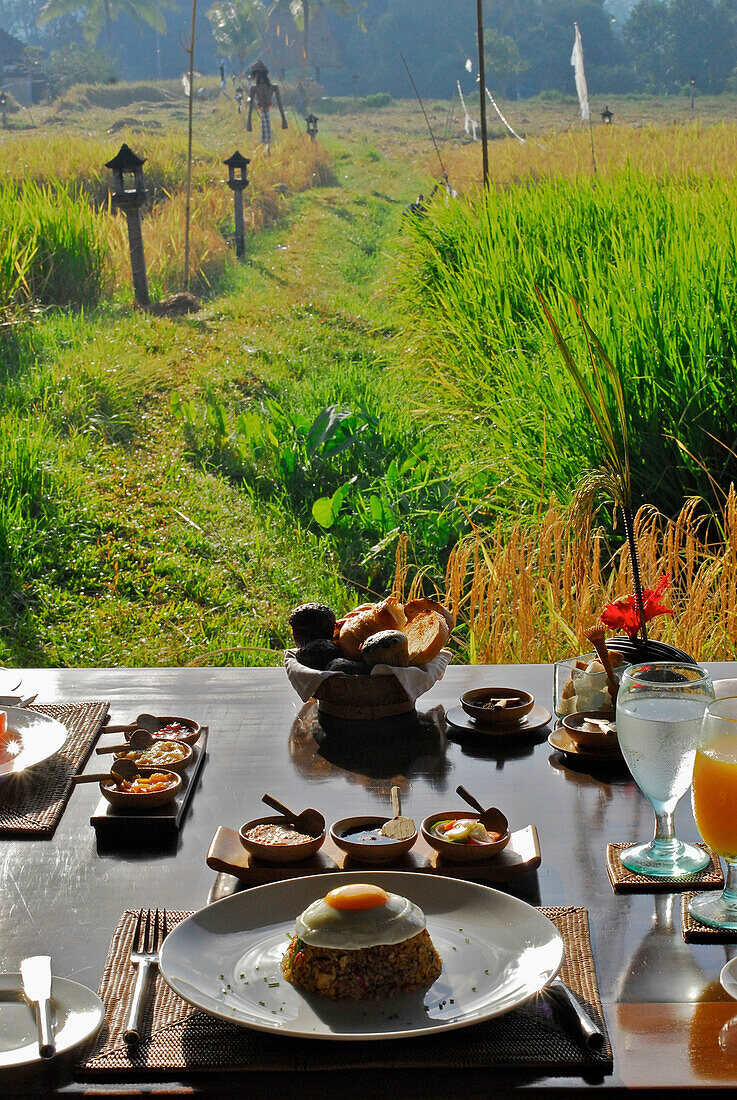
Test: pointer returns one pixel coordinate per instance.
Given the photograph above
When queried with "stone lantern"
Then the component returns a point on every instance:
(130, 201)
(311, 121)
(237, 181)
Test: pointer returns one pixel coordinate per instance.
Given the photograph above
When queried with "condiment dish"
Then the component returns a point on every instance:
(589, 739)
(142, 800)
(521, 703)
(178, 766)
(367, 851)
(460, 853)
(279, 853)
(167, 719)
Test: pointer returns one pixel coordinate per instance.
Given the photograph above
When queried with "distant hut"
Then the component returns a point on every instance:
(284, 41)
(16, 72)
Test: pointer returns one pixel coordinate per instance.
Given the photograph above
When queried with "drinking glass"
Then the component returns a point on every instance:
(714, 797)
(660, 708)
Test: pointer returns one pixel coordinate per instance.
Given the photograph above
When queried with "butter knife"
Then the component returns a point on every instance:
(36, 975)
(591, 1034)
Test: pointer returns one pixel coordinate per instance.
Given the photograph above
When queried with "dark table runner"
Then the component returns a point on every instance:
(184, 1040)
(32, 803)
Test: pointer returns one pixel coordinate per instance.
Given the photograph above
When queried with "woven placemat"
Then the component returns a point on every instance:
(184, 1040)
(32, 804)
(625, 881)
(696, 932)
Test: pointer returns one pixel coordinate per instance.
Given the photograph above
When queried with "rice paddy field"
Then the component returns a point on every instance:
(370, 401)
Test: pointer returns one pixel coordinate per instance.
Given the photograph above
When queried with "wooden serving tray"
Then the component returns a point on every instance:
(154, 826)
(228, 855)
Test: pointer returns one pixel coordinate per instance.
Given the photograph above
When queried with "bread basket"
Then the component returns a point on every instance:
(383, 694)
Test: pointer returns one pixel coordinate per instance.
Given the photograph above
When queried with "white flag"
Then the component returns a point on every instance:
(580, 75)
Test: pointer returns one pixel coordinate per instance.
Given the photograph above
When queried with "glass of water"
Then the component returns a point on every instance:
(660, 708)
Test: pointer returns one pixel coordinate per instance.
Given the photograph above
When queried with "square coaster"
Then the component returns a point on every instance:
(696, 932)
(628, 882)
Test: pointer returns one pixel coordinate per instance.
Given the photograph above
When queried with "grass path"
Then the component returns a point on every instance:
(152, 560)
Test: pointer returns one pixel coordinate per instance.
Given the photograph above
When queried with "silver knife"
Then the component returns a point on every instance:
(36, 974)
(591, 1033)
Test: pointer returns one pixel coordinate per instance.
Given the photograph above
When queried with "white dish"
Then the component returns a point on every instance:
(9, 681)
(728, 978)
(31, 738)
(497, 952)
(76, 1014)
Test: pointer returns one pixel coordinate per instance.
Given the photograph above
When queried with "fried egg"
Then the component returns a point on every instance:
(359, 915)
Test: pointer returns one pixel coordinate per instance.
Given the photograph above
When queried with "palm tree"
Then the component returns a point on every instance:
(237, 26)
(300, 12)
(102, 13)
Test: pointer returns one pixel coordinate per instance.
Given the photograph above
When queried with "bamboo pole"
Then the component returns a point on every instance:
(482, 89)
(190, 51)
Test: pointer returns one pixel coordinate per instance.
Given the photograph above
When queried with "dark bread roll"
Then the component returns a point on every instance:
(350, 668)
(388, 647)
(318, 654)
(310, 621)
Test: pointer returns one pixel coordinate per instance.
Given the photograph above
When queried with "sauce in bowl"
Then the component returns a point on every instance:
(276, 835)
(362, 835)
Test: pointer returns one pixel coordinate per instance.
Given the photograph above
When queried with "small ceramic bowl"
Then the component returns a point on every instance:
(460, 853)
(585, 739)
(368, 851)
(473, 704)
(279, 853)
(178, 766)
(126, 800)
(185, 738)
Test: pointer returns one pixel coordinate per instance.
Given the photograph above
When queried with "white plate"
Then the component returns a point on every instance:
(35, 736)
(497, 952)
(76, 1014)
(728, 978)
(9, 681)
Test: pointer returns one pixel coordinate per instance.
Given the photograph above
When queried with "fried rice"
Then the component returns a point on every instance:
(366, 973)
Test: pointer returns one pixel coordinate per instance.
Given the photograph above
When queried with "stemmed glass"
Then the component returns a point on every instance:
(714, 797)
(660, 708)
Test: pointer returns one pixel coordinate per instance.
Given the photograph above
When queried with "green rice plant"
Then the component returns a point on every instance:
(53, 249)
(26, 485)
(651, 264)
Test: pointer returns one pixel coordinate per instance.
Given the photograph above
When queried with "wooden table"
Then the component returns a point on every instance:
(671, 1024)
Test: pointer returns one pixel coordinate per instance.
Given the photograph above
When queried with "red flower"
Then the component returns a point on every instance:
(623, 614)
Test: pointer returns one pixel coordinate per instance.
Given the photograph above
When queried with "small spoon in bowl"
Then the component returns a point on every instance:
(492, 819)
(121, 769)
(139, 741)
(398, 828)
(309, 821)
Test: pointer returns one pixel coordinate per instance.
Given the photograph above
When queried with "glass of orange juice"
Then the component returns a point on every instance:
(714, 794)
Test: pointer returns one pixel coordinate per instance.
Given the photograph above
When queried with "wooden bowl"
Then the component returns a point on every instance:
(179, 766)
(125, 800)
(472, 702)
(279, 853)
(460, 853)
(184, 739)
(584, 739)
(367, 852)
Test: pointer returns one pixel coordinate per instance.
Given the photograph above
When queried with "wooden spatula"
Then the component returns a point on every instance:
(121, 769)
(398, 828)
(492, 819)
(309, 821)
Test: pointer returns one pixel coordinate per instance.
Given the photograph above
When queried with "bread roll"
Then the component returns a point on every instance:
(415, 607)
(426, 634)
(387, 615)
(388, 647)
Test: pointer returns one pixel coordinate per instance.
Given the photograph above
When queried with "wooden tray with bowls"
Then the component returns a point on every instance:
(161, 823)
(522, 854)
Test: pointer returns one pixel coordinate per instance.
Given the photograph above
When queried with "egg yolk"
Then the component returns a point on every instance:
(357, 896)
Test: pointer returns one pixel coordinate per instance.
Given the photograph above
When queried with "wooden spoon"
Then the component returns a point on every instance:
(399, 828)
(492, 819)
(140, 740)
(309, 821)
(121, 769)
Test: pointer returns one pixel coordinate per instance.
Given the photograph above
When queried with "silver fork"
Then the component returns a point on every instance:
(145, 956)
